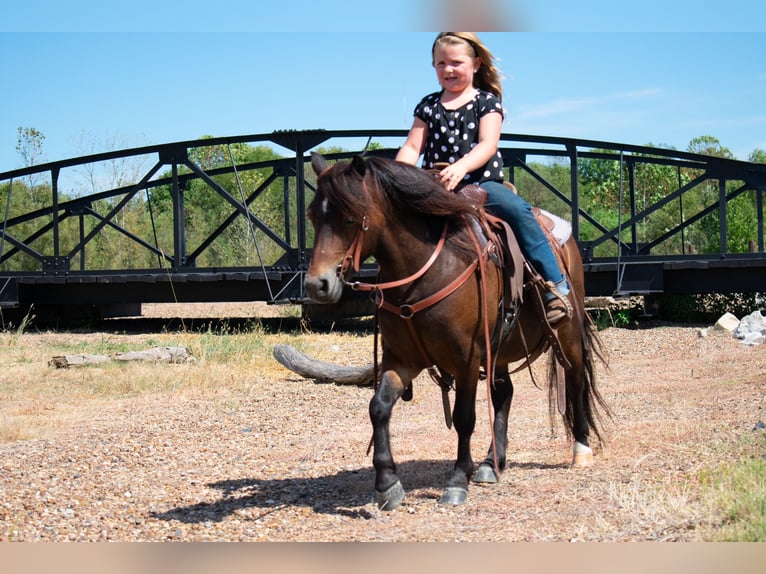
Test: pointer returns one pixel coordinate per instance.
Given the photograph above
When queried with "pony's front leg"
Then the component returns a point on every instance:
(464, 418)
(388, 489)
(502, 395)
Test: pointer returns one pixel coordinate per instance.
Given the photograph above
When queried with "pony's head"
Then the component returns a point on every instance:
(338, 213)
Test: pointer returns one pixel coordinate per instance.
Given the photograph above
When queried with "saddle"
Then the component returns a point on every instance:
(556, 230)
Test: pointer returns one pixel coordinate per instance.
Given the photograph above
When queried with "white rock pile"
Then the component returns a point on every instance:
(751, 329)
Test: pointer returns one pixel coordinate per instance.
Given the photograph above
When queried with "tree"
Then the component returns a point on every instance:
(109, 174)
(708, 145)
(205, 209)
(29, 145)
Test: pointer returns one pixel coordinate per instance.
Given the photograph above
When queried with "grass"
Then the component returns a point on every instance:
(737, 492)
(37, 399)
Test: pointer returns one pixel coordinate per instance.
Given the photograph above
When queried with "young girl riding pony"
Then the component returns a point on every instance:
(460, 125)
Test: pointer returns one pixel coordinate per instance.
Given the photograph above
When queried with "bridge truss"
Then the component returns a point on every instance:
(46, 251)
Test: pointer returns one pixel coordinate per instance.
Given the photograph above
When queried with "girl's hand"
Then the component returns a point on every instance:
(451, 176)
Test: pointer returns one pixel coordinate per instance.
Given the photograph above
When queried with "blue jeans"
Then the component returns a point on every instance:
(505, 204)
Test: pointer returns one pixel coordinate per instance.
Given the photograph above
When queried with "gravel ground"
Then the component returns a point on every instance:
(281, 458)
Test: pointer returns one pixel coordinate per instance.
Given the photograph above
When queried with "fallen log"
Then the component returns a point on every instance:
(154, 355)
(321, 371)
(66, 361)
(157, 354)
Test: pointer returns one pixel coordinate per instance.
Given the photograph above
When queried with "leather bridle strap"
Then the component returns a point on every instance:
(408, 310)
(490, 367)
(354, 253)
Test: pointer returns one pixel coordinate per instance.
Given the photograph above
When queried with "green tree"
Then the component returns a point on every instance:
(29, 145)
(709, 145)
(740, 212)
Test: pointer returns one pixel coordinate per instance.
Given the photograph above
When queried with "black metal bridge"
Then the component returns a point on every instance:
(47, 250)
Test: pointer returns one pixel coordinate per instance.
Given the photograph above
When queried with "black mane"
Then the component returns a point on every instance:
(412, 188)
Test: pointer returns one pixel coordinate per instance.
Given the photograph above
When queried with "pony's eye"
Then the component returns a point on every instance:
(350, 221)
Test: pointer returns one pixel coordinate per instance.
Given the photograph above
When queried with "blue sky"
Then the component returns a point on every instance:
(140, 73)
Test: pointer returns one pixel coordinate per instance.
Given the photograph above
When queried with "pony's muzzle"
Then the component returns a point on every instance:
(323, 288)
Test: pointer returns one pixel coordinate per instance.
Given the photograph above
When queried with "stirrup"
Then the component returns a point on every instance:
(558, 308)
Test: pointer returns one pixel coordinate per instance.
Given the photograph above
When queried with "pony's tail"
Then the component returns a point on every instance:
(594, 406)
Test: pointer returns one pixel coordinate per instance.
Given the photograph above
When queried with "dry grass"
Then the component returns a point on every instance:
(234, 447)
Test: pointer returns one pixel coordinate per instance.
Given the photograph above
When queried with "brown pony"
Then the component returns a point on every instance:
(440, 298)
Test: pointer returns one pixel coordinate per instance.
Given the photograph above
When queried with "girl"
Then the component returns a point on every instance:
(460, 125)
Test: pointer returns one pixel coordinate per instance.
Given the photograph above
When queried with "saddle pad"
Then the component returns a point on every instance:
(559, 228)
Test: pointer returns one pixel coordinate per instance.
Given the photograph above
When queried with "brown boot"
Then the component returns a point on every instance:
(557, 308)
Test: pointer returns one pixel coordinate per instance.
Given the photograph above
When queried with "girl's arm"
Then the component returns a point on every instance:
(490, 127)
(416, 140)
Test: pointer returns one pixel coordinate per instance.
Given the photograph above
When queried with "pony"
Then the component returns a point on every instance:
(442, 305)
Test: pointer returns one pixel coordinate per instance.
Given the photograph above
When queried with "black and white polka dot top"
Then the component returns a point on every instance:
(453, 133)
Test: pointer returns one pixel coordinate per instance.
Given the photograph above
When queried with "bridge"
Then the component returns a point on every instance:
(48, 250)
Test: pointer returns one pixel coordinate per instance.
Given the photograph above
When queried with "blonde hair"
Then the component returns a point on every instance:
(488, 77)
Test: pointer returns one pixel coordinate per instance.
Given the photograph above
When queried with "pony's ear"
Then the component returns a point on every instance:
(357, 162)
(318, 163)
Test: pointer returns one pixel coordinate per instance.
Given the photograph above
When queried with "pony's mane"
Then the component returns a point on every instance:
(406, 188)
(410, 188)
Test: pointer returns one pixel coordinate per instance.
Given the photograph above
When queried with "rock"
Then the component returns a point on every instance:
(751, 328)
(727, 322)
(754, 339)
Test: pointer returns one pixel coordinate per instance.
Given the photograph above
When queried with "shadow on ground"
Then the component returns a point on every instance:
(344, 493)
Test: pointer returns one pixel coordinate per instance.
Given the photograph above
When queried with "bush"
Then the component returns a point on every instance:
(708, 307)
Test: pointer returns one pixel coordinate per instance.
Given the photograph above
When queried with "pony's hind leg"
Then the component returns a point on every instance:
(582, 455)
(502, 395)
(575, 417)
(388, 488)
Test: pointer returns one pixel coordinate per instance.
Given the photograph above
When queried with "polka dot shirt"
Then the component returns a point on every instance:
(453, 133)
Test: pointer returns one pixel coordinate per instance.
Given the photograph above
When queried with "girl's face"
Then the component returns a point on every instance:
(455, 66)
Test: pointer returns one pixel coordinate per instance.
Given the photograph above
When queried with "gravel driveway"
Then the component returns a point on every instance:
(285, 458)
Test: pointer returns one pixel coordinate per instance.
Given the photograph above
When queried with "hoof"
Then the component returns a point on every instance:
(391, 497)
(454, 495)
(583, 455)
(485, 474)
